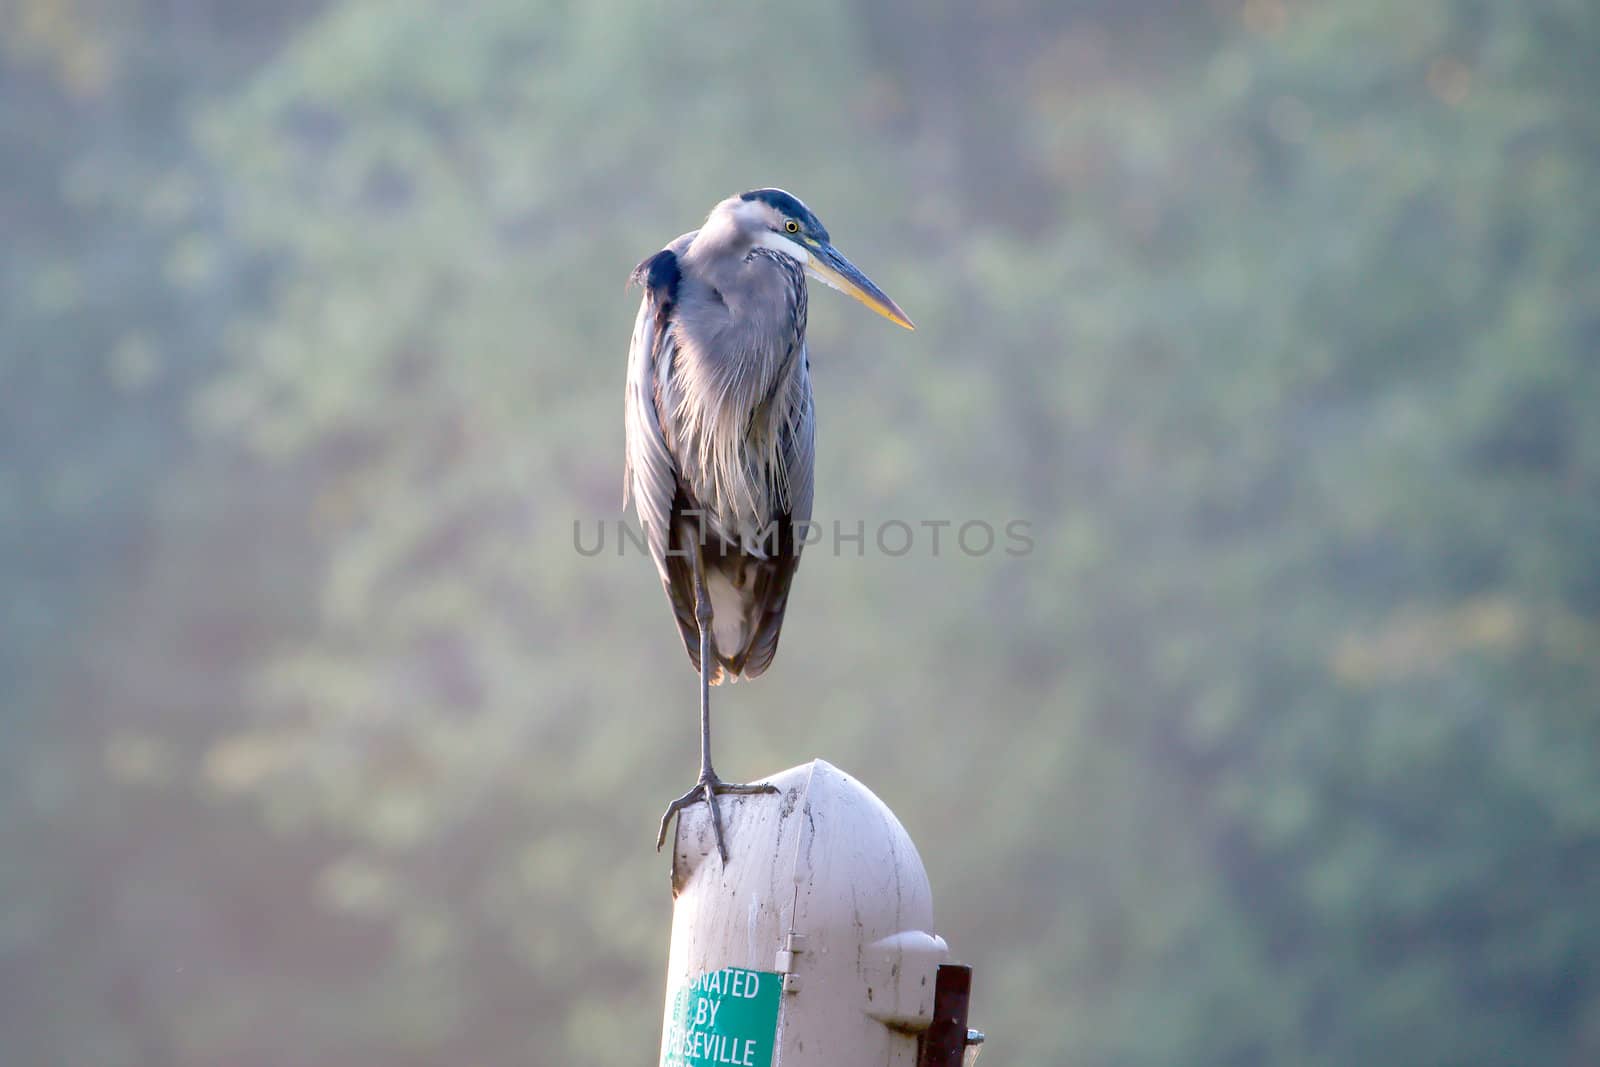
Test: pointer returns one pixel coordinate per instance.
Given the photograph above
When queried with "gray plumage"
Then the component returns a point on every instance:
(720, 431)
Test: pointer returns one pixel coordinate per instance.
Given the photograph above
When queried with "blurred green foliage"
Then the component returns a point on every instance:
(1278, 322)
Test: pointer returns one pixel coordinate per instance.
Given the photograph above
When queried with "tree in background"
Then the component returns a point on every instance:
(1276, 322)
(116, 286)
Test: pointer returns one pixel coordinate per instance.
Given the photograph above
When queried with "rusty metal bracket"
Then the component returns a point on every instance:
(944, 1043)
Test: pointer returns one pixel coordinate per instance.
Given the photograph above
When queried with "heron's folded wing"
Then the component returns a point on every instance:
(774, 574)
(649, 476)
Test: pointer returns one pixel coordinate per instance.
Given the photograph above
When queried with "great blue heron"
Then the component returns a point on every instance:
(719, 428)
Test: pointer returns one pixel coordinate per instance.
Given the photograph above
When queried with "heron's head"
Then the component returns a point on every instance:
(777, 220)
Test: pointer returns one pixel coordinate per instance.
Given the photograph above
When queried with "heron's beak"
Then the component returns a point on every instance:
(832, 268)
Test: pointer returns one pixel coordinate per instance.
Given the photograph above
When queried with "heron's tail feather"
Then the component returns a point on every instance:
(680, 594)
(722, 670)
(772, 594)
(749, 595)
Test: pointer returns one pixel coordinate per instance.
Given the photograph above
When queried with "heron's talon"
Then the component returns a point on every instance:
(707, 788)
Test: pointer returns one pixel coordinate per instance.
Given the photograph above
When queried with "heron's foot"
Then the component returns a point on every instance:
(707, 789)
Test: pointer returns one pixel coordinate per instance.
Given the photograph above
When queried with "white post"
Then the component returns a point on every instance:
(814, 946)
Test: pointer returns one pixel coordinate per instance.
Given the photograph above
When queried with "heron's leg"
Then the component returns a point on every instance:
(708, 785)
(702, 618)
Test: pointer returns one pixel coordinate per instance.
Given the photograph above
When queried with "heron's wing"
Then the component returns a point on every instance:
(650, 476)
(773, 575)
(800, 451)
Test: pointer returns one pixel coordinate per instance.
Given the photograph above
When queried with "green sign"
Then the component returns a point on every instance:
(727, 1018)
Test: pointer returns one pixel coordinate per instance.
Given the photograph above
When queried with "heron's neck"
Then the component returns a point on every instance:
(718, 240)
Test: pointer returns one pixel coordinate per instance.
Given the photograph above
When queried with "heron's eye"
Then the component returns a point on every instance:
(792, 226)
